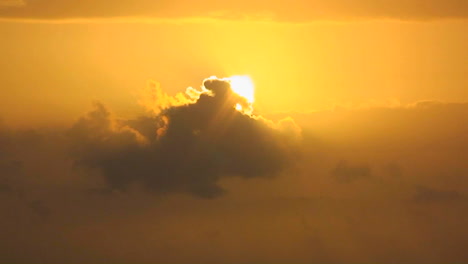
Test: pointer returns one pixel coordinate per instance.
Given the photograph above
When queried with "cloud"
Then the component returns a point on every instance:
(4, 188)
(185, 148)
(11, 3)
(281, 10)
(393, 170)
(54, 212)
(346, 173)
(430, 195)
(10, 167)
(9, 170)
(39, 208)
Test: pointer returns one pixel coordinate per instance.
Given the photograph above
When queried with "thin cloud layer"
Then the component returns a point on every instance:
(185, 148)
(298, 11)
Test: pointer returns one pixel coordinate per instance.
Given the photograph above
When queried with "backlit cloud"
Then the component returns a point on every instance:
(185, 147)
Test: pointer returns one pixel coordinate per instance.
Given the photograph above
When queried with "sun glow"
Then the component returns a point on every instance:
(243, 86)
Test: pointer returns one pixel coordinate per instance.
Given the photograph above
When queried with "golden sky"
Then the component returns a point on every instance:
(353, 147)
(315, 65)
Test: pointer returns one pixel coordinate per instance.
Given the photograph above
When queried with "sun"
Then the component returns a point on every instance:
(243, 86)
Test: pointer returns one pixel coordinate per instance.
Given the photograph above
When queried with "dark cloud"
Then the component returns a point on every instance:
(10, 167)
(9, 170)
(279, 10)
(64, 214)
(429, 195)
(39, 208)
(4, 188)
(186, 148)
(346, 173)
(393, 169)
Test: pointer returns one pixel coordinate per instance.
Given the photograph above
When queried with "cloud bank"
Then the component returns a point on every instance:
(377, 185)
(299, 11)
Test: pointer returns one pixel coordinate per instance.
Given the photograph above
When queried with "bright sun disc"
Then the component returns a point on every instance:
(243, 86)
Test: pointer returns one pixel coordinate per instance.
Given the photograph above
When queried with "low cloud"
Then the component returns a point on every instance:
(386, 183)
(39, 208)
(346, 173)
(429, 195)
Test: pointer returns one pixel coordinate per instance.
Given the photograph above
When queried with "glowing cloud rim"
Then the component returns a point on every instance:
(243, 86)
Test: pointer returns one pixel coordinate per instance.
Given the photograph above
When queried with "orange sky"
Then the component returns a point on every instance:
(356, 151)
(302, 67)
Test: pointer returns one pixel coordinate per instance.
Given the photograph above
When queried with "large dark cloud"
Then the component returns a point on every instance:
(185, 148)
(279, 10)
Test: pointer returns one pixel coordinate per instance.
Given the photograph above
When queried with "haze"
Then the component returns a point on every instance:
(353, 147)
